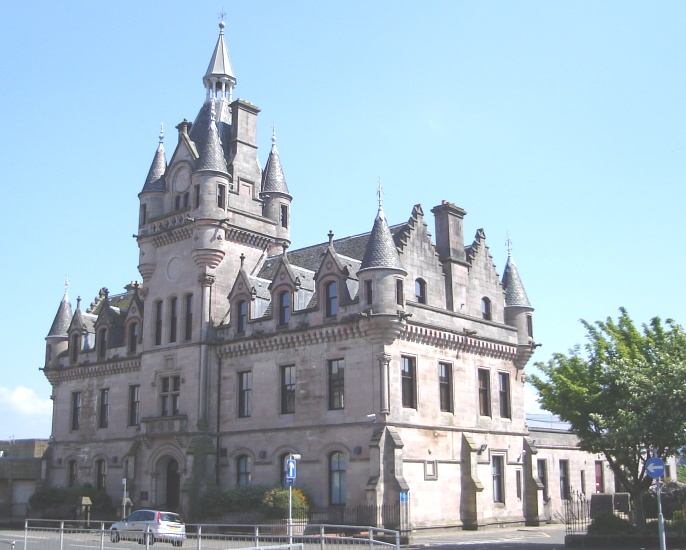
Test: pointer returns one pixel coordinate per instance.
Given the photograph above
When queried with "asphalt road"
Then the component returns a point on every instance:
(547, 537)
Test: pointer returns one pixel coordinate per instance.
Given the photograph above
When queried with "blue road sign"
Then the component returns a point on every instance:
(404, 496)
(289, 481)
(655, 467)
(290, 468)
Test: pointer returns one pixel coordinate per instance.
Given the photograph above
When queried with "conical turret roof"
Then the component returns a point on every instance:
(155, 180)
(220, 65)
(515, 295)
(211, 153)
(273, 180)
(60, 325)
(381, 252)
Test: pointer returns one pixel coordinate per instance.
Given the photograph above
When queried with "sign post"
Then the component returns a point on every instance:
(656, 469)
(290, 481)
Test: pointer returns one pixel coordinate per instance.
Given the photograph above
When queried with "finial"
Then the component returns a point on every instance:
(66, 285)
(273, 133)
(242, 257)
(508, 245)
(330, 237)
(78, 302)
(221, 16)
(379, 194)
(161, 132)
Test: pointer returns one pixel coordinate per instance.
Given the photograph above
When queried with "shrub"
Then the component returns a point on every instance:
(672, 496)
(244, 498)
(606, 523)
(275, 503)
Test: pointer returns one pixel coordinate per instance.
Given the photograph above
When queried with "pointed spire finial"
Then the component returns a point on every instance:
(78, 302)
(221, 15)
(508, 245)
(161, 132)
(379, 194)
(242, 258)
(273, 133)
(66, 285)
(330, 237)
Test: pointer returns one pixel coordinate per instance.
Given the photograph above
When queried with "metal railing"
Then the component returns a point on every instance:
(61, 535)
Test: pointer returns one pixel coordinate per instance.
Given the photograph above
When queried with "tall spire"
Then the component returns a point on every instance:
(155, 180)
(273, 180)
(219, 80)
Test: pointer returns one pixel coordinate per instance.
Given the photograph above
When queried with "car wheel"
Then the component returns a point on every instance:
(114, 536)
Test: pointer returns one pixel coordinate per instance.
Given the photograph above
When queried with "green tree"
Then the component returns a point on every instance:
(623, 394)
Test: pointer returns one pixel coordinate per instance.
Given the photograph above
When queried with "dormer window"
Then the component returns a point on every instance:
(331, 299)
(284, 307)
(420, 291)
(486, 308)
(241, 316)
(102, 343)
(133, 337)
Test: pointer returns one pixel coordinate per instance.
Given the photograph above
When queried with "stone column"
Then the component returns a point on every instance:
(206, 282)
(384, 362)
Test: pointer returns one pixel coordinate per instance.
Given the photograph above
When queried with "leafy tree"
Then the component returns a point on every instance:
(623, 394)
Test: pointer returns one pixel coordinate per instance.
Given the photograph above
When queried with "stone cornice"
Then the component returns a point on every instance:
(459, 342)
(78, 372)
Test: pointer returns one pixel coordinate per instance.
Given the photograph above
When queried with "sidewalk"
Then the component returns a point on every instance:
(550, 532)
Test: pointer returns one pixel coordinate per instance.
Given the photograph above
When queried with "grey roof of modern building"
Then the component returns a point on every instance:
(211, 154)
(220, 64)
(273, 180)
(515, 295)
(62, 320)
(155, 180)
(381, 251)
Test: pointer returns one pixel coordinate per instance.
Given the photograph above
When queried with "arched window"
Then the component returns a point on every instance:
(186, 200)
(100, 474)
(241, 316)
(102, 343)
(420, 291)
(331, 291)
(486, 308)
(243, 470)
(158, 322)
(75, 346)
(337, 466)
(284, 307)
(133, 337)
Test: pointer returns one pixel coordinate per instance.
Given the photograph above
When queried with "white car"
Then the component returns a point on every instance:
(150, 526)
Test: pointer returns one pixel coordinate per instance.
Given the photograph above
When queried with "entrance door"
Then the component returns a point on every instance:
(21, 491)
(173, 485)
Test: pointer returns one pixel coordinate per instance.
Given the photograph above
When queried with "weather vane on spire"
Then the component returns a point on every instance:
(161, 132)
(508, 244)
(273, 133)
(379, 194)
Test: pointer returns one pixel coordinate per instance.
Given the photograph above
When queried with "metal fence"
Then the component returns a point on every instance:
(301, 535)
(577, 513)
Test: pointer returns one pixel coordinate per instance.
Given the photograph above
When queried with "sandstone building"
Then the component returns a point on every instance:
(391, 361)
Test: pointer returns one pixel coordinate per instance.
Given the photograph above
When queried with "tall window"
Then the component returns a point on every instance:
(243, 470)
(498, 478)
(158, 322)
(244, 394)
(599, 477)
(288, 389)
(529, 326)
(134, 405)
(104, 408)
(518, 483)
(331, 290)
(75, 346)
(75, 410)
(73, 473)
(583, 482)
(143, 217)
(188, 321)
(283, 218)
(484, 393)
(169, 395)
(241, 316)
(100, 474)
(284, 307)
(336, 384)
(445, 386)
(409, 381)
(564, 479)
(368, 291)
(173, 318)
(196, 196)
(177, 202)
(543, 477)
(486, 308)
(504, 394)
(133, 337)
(337, 481)
(186, 199)
(399, 298)
(221, 196)
(420, 291)
(102, 343)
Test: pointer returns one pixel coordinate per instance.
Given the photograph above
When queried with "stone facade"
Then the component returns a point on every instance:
(22, 469)
(391, 363)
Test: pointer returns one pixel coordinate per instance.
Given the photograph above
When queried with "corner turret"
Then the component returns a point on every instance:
(57, 340)
(518, 311)
(277, 199)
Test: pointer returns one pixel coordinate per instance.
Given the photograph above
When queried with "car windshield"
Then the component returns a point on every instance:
(172, 518)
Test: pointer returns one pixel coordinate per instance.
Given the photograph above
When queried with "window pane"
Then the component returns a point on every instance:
(336, 384)
(409, 382)
(445, 383)
(288, 389)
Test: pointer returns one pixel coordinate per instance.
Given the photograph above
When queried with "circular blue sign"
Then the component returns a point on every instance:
(655, 467)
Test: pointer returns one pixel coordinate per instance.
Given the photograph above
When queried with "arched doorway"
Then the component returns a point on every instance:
(173, 485)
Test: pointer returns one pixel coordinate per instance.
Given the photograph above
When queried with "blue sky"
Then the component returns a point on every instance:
(562, 123)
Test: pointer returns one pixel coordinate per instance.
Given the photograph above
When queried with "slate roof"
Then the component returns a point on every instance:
(60, 325)
(212, 154)
(200, 129)
(515, 295)
(350, 251)
(381, 251)
(155, 180)
(273, 180)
